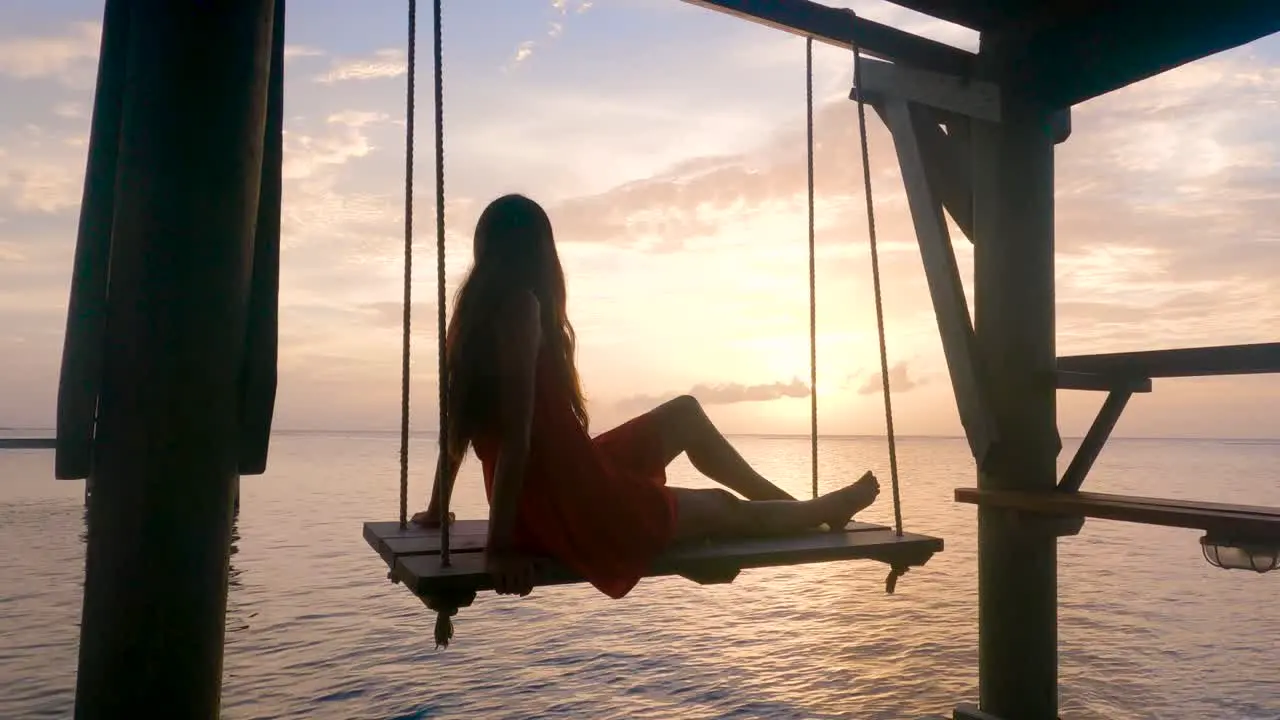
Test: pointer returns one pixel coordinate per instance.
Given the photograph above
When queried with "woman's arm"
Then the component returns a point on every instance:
(519, 339)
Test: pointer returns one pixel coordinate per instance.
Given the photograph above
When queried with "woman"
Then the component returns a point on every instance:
(601, 506)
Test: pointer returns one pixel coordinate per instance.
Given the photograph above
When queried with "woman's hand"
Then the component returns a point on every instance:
(430, 519)
(512, 571)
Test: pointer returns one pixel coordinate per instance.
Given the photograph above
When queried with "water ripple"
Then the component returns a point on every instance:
(314, 629)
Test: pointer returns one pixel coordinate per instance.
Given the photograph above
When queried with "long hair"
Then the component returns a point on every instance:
(514, 251)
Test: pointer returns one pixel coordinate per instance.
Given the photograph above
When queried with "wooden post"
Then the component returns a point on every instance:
(258, 378)
(81, 371)
(1014, 302)
(166, 447)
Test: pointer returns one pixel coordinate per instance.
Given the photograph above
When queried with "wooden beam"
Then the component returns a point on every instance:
(1094, 440)
(943, 276)
(1103, 383)
(975, 16)
(945, 157)
(842, 28)
(959, 94)
(946, 164)
(1086, 54)
(1260, 358)
(1240, 521)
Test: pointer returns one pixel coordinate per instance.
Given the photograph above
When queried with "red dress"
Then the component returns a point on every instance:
(600, 506)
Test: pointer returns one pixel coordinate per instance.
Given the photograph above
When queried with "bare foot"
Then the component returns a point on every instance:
(852, 499)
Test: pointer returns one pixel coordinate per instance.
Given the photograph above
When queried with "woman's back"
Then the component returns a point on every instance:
(600, 506)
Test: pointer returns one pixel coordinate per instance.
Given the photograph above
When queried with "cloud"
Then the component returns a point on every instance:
(723, 394)
(293, 52)
(40, 172)
(69, 110)
(555, 29)
(899, 381)
(523, 51)
(345, 137)
(1165, 191)
(385, 63)
(679, 198)
(67, 57)
(564, 7)
(698, 197)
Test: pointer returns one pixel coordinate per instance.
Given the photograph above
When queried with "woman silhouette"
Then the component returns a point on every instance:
(600, 506)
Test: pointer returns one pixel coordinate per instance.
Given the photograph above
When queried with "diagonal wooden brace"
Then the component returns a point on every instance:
(949, 304)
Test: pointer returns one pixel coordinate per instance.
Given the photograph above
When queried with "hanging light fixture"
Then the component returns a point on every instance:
(1259, 556)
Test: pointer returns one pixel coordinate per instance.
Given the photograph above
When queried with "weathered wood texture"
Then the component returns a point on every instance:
(414, 554)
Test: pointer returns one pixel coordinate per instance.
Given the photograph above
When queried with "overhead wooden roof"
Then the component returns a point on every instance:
(1060, 52)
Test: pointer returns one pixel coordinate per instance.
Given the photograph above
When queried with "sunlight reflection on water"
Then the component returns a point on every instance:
(316, 631)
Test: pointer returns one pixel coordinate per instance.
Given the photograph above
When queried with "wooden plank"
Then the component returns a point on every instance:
(955, 93)
(1190, 504)
(1102, 382)
(1232, 520)
(465, 536)
(945, 288)
(1252, 359)
(842, 28)
(424, 575)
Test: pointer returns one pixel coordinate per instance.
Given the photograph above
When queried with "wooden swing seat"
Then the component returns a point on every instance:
(413, 555)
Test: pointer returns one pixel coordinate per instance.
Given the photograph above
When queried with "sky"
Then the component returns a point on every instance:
(667, 143)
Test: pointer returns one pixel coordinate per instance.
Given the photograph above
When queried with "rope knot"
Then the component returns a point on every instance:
(895, 572)
(444, 627)
(446, 605)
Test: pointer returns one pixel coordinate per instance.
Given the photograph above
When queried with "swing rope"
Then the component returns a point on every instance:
(875, 278)
(896, 571)
(408, 273)
(442, 377)
(813, 295)
(447, 606)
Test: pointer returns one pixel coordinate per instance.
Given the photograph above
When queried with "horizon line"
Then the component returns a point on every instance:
(43, 433)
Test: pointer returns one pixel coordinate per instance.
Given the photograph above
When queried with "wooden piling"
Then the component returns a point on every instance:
(81, 372)
(1014, 293)
(166, 449)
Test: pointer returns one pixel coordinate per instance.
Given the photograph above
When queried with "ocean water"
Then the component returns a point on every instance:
(314, 629)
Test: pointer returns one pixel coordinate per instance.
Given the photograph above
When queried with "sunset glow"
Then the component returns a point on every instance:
(667, 143)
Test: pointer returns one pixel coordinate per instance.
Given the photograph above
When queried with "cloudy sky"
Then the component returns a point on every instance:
(667, 142)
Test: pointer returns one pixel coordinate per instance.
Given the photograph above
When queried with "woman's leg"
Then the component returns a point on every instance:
(703, 514)
(685, 427)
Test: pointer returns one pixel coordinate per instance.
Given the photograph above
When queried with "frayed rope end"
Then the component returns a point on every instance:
(444, 628)
(891, 582)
